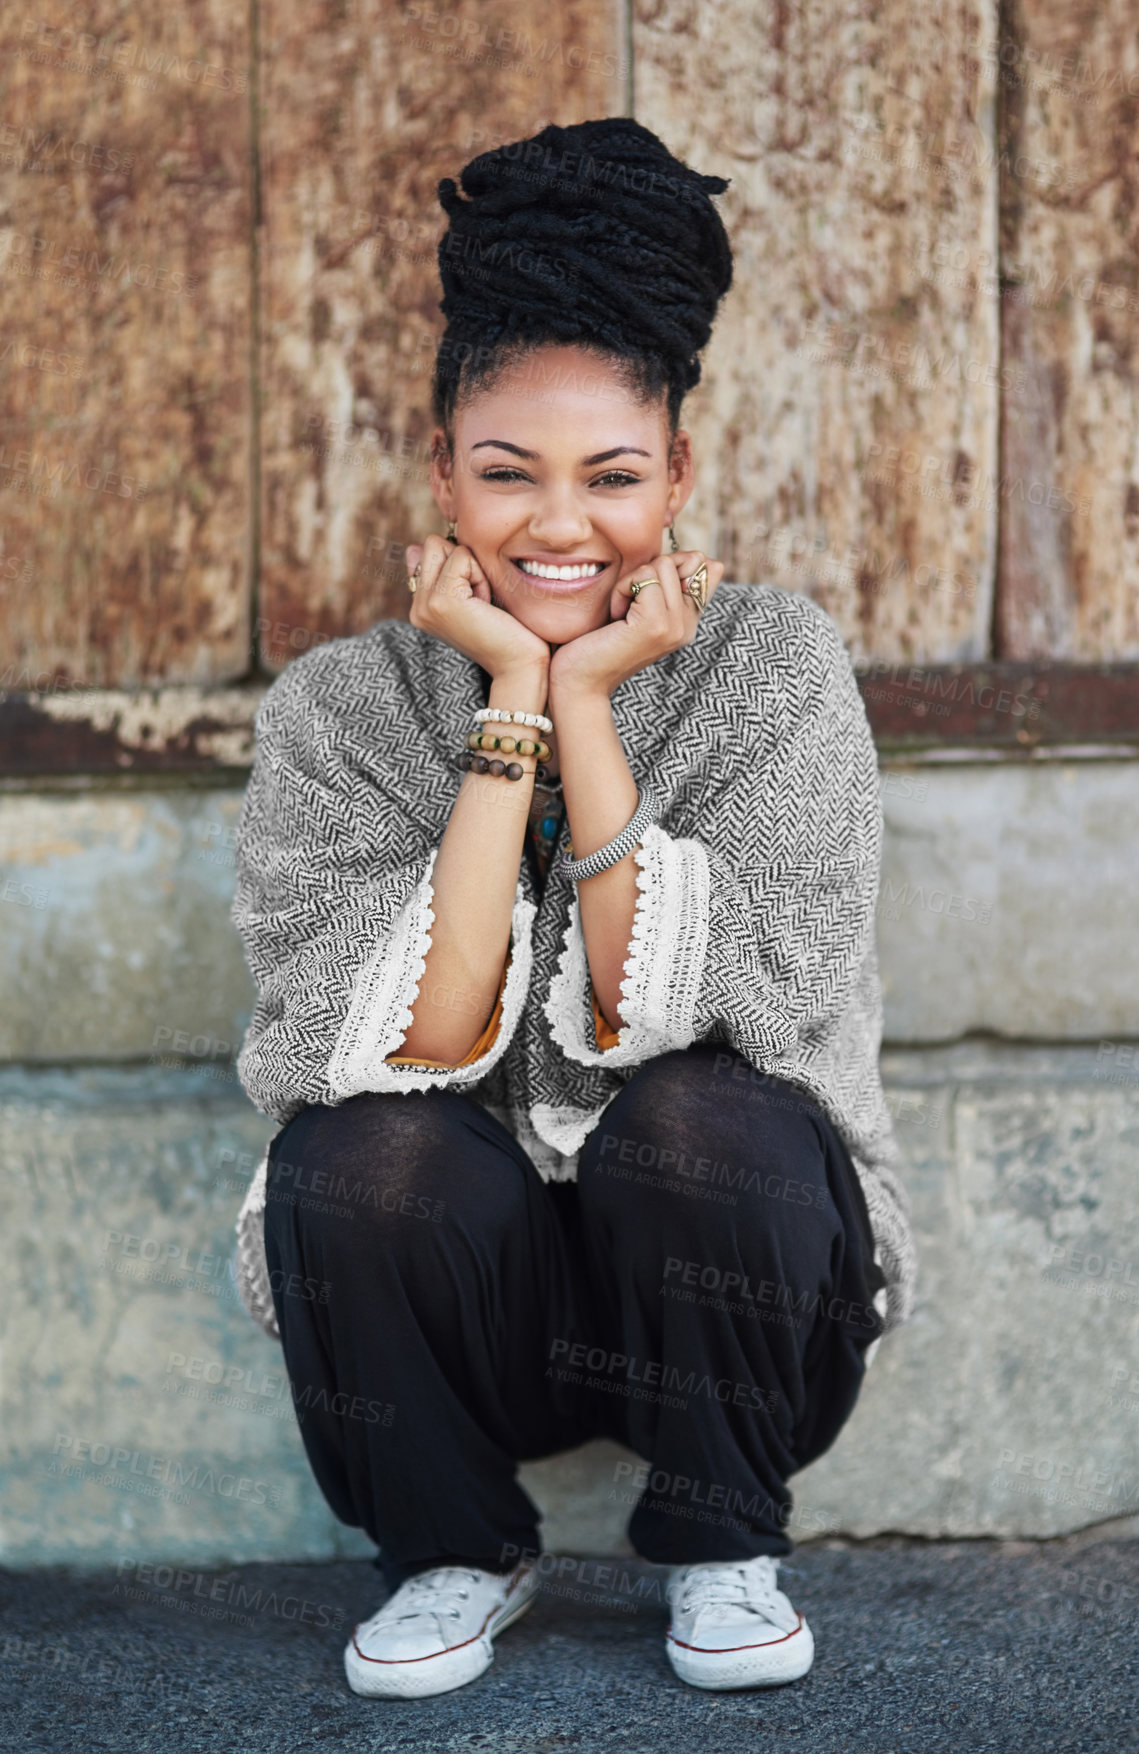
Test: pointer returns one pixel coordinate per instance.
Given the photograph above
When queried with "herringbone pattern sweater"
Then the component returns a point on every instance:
(755, 920)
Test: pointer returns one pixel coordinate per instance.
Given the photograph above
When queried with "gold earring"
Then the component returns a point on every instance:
(673, 544)
(451, 530)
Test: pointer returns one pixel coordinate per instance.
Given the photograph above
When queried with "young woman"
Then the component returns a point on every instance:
(570, 1149)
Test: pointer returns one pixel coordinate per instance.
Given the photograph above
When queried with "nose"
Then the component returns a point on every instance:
(561, 521)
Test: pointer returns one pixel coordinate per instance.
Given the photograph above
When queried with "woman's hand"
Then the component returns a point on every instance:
(659, 620)
(452, 601)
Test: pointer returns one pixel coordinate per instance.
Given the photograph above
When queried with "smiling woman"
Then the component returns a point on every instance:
(554, 544)
(600, 1062)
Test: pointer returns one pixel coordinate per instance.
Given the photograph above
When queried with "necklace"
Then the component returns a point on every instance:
(546, 809)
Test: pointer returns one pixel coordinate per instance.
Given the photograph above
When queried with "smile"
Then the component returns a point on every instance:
(537, 569)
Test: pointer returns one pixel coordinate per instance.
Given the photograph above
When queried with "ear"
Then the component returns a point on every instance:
(441, 476)
(681, 473)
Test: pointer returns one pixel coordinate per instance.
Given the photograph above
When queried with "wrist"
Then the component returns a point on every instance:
(583, 703)
(522, 691)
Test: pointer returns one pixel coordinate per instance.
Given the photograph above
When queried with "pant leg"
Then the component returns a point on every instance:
(418, 1266)
(733, 1284)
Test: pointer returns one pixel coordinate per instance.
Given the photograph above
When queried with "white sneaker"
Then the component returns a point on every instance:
(435, 1632)
(733, 1627)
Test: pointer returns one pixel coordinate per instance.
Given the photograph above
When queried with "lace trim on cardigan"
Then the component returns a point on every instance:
(379, 1014)
(379, 1011)
(251, 1269)
(668, 947)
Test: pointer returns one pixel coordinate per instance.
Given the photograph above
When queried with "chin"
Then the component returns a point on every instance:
(559, 630)
(560, 624)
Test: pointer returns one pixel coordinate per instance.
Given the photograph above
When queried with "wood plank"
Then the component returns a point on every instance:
(364, 110)
(1001, 707)
(849, 406)
(1069, 542)
(125, 184)
(993, 708)
(86, 731)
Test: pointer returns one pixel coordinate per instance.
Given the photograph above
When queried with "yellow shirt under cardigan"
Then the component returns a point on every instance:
(606, 1037)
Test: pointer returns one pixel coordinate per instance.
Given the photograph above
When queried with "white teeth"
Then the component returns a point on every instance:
(539, 570)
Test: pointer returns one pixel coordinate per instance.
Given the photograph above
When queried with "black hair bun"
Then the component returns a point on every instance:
(593, 232)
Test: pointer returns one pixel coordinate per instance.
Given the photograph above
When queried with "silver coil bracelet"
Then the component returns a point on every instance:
(648, 809)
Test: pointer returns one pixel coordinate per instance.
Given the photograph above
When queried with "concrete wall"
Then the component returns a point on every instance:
(144, 1414)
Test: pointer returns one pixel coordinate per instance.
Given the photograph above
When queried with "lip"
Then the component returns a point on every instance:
(558, 587)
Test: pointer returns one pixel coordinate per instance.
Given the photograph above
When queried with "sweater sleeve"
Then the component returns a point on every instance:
(333, 903)
(758, 942)
(485, 1041)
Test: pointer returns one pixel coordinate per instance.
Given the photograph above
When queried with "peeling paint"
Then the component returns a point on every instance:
(152, 718)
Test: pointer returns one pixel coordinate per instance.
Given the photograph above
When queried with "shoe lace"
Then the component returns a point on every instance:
(430, 1592)
(719, 1592)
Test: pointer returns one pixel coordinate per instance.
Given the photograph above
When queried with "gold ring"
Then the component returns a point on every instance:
(638, 586)
(413, 581)
(697, 583)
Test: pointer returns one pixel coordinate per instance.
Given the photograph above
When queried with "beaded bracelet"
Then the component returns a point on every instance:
(508, 743)
(472, 763)
(538, 720)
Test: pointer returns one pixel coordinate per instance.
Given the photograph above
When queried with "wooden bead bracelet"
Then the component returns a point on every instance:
(509, 743)
(473, 763)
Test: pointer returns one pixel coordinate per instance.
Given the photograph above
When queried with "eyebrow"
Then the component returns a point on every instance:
(586, 462)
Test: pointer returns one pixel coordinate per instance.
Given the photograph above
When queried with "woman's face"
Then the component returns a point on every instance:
(557, 465)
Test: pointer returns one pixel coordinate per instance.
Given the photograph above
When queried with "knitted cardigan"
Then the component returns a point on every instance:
(755, 911)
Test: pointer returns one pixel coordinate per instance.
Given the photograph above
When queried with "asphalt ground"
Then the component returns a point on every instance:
(920, 1646)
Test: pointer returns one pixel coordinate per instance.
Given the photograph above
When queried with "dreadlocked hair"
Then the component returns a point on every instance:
(592, 235)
